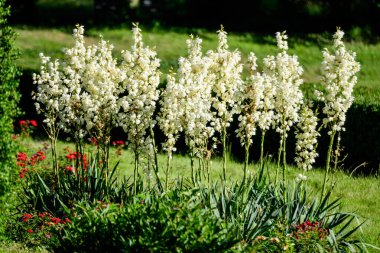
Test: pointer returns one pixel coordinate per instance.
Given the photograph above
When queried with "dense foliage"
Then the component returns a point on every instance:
(9, 96)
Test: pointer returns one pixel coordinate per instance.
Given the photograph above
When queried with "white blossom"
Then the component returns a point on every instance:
(252, 102)
(138, 102)
(227, 83)
(301, 178)
(83, 89)
(306, 139)
(194, 89)
(169, 118)
(284, 71)
(338, 70)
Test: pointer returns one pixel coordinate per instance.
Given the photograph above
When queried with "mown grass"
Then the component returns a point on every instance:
(171, 44)
(358, 195)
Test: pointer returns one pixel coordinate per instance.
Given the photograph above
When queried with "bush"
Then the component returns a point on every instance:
(174, 222)
(9, 97)
(84, 182)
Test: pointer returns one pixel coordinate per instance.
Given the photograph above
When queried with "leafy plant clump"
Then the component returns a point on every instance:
(254, 214)
(9, 97)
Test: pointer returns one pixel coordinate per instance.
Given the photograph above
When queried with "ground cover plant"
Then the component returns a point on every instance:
(87, 93)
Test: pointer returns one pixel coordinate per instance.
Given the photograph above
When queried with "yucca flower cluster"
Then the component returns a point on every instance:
(306, 136)
(89, 93)
(194, 80)
(251, 106)
(169, 118)
(227, 84)
(252, 97)
(338, 70)
(226, 73)
(79, 95)
(140, 92)
(186, 104)
(83, 90)
(285, 72)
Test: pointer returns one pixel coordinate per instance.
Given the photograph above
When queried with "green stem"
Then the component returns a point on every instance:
(336, 155)
(224, 134)
(135, 171)
(246, 161)
(151, 132)
(208, 171)
(262, 148)
(328, 158)
(192, 167)
(284, 158)
(53, 142)
(278, 160)
(168, 164)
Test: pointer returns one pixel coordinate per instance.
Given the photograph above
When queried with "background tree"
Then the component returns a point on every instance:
(9, 96)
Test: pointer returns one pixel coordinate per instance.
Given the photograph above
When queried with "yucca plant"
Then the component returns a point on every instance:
(295, 209)
(85, 184)
(242, 204)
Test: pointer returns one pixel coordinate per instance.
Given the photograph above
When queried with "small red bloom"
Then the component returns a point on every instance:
(55, 220)
(33, 123)
(26, 217)
(22, 172)
(94, 141)
(30, 231)
(22, 122)
(22, 156)
(71, 156)
(70, 169)
(118, 143)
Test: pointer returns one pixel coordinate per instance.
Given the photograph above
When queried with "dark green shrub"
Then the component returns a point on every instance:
(9, 97)
(173, 222)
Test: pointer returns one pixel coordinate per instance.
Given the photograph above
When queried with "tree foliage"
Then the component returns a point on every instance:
(9, 95)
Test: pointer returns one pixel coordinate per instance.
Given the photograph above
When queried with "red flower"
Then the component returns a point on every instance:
(33, 123)
(118, 143)
(22, 172)
(22, 156)
(94, 141)
(56, 220)
(22, 122)
(29, 231)
(70, 168)
(71, 156)
(26, 217)
(41, 155)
